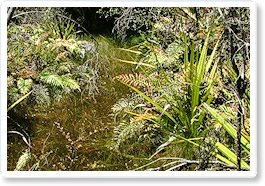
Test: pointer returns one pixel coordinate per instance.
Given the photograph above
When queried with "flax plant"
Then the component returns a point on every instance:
(179, 107)
(199, 76)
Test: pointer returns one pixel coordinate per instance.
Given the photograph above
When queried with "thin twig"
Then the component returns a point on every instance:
(183, 163)
(230, 29)
(164, 158)
(23, 137)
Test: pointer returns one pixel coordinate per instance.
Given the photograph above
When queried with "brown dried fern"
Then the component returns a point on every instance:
(136, 80)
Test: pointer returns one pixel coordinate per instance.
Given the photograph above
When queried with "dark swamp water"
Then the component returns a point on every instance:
(72, 134)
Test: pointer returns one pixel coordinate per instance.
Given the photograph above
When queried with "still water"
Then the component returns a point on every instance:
(72, 134)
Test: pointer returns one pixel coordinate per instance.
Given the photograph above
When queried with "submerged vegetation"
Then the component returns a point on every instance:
(161, 89)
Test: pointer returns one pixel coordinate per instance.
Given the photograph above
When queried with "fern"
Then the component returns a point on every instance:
(123, 104)
(126, 130)
(175, 50)
(41, 94)
(136, 80)
(70, 83)
(57, 94)
(55, 80)
(42, 38)
(165, 58)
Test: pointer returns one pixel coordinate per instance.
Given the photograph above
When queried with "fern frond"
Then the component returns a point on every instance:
(136, 80)
(52, 79)
(70, 83)
(42, 38)
(175, 50)
(55, 80)
(123, 104)
(62, 55)
(41, 94)
(126, 130)
(58, 43)
(26, 73)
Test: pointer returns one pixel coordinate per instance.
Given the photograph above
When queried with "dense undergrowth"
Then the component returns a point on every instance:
(166, 94)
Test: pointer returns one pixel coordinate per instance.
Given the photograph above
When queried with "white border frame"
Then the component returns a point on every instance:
(130, 174)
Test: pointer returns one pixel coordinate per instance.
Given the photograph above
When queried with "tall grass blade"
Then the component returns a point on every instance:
(199, 76)
(134, 62)
(223, 159)
(209, 63)
(18, 101)
(230, 155)
(192, 55)
(227, 126)
(129, 50)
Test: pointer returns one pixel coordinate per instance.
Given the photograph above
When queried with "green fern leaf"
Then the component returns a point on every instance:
(55, 80)
(123, 104)
(41, 94)
(126, 130)
(175, 50)
(70, 83)
(51, 79)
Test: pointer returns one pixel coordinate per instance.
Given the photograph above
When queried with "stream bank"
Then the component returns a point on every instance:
(72, 134)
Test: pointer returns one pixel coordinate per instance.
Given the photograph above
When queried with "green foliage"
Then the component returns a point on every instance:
(181, 67)
(24, 85)
(38, 56)
(227, 126)
(180, 105)
(163, 23)
(137, 19)
(230, 155)
(123, 105)
(61, 28)
(18, 101)
(125, 131)
(59, 81)
(137, 80)
(41, 94)
(175, 51)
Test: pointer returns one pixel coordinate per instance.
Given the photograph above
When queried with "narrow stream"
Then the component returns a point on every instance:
(73, 134)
